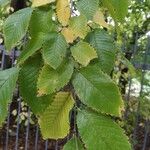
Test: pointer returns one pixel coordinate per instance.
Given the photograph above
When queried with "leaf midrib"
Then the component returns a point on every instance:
(1, 86)
(95, 87)
(60, 110)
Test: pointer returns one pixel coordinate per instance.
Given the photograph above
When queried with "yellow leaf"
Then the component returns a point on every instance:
(68, 34)
(54, 122)
(63, 11)
(83, 53)
(78, 25)
(37, 3)
(99, 19)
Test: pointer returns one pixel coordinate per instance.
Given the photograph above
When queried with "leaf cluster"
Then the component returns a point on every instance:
(67, 61)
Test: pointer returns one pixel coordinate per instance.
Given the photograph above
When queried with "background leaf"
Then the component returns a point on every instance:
(83, 53)
(8, 80)
(106, 134)
(54, 122)
(3, 3)
(78, 25)
(16, 23)
(97, 90)
(118, 9)
(129, 65)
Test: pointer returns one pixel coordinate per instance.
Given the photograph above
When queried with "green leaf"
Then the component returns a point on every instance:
(129, 65)
(8, 80)
(54, 122)
(28, 85)
(144, 107)
(41, 29)
(78, 25)
(100, 132)
(54, 50)
(16, 23)
(88, 7)
(97, 90)
(33, 45)
(41, 21)
(83, 53)
(117, 8)
(104, 45)
(3, 3)
(74, 144)
(51, 80)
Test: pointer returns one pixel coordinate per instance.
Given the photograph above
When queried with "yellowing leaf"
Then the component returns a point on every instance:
(78, 25)
(51, 80)
(54, 122)
(63, 11)
(37, 3)
(99, 19)
(68, 34)
(83, 53)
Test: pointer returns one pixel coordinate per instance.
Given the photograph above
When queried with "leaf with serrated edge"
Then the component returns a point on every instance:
(99, 19)
(54, 51)
(28, 85)
(54, 122)
(109, 136)
(83, 53)
(8, 80)
(37, 3)
(105, 48)
(51, 80)
(97, 90)
(88, 7)
(118, 9)
(78, 26)
(41, 22)
(16, 23)
(63, 11)
(68, 34)
(73, 144)
(33, 45)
